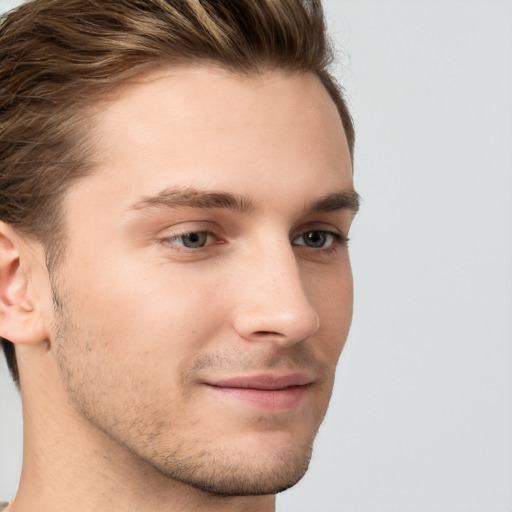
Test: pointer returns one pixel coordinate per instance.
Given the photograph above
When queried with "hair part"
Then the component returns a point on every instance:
(59, 58)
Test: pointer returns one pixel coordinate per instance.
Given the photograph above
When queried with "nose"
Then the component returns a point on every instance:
(272, 303)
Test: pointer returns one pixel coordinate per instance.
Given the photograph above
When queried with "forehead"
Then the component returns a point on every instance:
(210, 128)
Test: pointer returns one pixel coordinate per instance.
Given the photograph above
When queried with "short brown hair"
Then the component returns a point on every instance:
(59, 57)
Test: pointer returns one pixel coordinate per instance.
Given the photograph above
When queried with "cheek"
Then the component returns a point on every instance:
(331, 294)
(153, 305)
(150, 328)
(153, 324)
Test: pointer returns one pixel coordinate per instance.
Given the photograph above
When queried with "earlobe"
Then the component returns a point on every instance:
(20, 320)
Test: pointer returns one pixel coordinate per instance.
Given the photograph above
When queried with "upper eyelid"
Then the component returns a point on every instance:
(185, 228)
(318, 226)
(172, 236)
(213, 228)
(221, 232)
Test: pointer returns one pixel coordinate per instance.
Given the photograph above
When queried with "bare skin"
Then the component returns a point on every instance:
(201, 306)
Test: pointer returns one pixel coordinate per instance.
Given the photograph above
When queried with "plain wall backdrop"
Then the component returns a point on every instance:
(421, 415)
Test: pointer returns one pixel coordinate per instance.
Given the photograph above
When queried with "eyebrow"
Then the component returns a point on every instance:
(194, 198)
(343, 200)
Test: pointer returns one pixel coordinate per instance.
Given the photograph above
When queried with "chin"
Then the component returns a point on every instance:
(228, 473)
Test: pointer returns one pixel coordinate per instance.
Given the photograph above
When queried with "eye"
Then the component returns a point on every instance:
(318, 239)
(194, 240)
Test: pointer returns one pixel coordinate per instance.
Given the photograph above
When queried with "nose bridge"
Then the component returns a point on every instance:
(275, 303)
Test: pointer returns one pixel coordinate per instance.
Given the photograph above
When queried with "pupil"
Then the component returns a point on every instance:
(315, 238)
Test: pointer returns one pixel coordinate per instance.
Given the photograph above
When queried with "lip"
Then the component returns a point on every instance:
(269, 392)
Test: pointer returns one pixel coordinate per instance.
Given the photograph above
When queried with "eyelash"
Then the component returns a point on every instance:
(209, 234)
(337, 240)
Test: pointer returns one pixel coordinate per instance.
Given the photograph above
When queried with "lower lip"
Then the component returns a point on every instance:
(274, 400)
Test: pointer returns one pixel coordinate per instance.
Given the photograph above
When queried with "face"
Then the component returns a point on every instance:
(206, 292)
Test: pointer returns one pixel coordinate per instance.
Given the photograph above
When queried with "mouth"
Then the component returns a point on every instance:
(268, 392)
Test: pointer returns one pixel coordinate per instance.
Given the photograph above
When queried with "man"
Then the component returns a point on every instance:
(176, 195)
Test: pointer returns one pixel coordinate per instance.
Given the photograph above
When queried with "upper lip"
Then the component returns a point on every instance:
(267, 382)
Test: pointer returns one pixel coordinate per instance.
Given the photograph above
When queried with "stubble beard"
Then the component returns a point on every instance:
(198, 463)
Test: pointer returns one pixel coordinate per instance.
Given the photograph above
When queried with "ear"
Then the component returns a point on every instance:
(20, 318)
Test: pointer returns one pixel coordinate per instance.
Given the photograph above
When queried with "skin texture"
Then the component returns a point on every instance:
(137, 350)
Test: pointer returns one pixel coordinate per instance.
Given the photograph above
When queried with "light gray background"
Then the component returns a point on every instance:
(421, 417)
